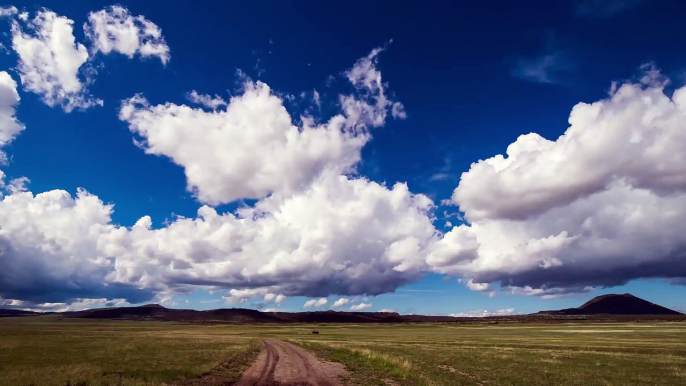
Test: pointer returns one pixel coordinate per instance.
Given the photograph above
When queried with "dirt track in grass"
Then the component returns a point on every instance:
(285, 364)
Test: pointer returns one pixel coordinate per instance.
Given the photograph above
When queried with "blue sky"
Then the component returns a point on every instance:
(472, 76)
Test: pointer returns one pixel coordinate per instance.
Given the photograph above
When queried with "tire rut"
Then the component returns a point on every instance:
(267, 374)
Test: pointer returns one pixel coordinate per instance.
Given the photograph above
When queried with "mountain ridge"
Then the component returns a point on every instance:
(615, 304)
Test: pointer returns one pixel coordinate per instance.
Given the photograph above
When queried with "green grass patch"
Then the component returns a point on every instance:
(367, 366)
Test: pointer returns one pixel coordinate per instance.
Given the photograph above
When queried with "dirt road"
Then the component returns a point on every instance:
(284, 364)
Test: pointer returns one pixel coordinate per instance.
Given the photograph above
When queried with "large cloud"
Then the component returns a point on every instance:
(342, 236)
(252, 148)
(603, 204)
(637, 136)
(50, 249)
(247, 151)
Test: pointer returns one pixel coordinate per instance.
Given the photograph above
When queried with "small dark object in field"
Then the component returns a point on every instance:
(315, 332)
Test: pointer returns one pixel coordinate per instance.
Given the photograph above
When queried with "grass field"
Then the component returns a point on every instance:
(45, 351)
(48, 351)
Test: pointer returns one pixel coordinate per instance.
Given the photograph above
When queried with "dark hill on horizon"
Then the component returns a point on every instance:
(606, 305)
(243, 315)
(615, 304)
(15, 312)
(235, 315)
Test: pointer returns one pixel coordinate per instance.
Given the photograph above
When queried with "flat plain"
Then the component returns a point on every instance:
(50, 350)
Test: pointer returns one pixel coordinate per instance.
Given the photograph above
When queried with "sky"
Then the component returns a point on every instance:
(466, 158)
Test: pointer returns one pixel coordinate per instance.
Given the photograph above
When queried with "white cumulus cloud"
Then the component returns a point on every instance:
(475, 286)
(338, 237)
(114, 29)
(51, 63)
(49, 243)
(237, 296)
(247, 151)
(274, 298)
(253, 148)
(315, 303)
(340, 302)
(10, 127)
(603, 204)
(17, 185)
(361, 307)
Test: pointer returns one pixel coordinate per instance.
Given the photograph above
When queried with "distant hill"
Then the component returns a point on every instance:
(237, 315)
(158, 312)
(615, 304)
(242, 315)
(13, 312)
(601, 306)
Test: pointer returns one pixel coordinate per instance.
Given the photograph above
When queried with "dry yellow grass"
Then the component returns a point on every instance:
(45, 351)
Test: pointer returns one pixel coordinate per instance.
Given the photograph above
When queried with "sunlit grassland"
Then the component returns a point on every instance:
(48, 351)
(519, 354)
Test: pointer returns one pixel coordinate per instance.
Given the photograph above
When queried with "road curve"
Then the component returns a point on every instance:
(284, 364)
